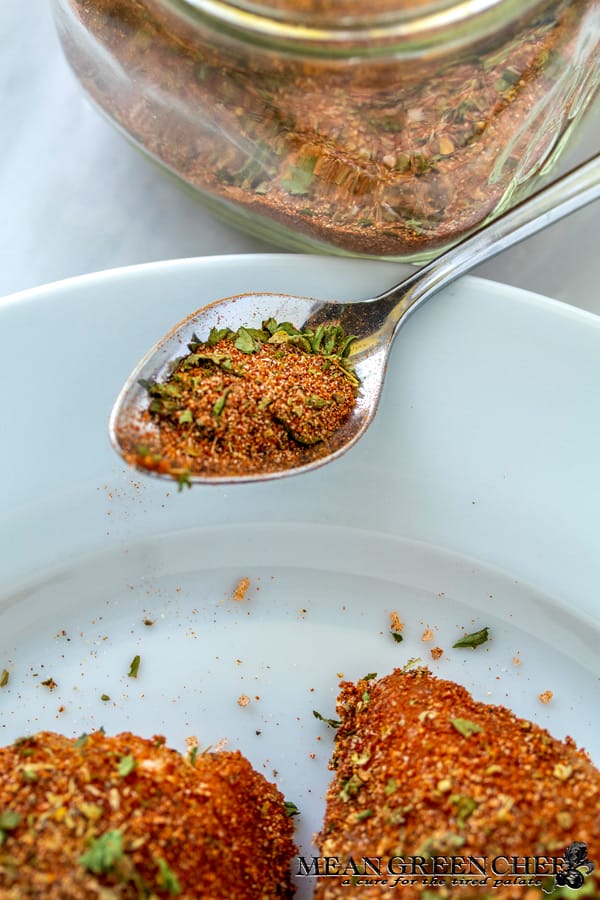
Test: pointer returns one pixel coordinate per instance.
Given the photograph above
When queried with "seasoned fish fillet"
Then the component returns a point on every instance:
(123, 817)
(422, 769)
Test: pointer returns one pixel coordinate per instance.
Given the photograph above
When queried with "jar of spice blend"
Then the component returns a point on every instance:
(386, 129)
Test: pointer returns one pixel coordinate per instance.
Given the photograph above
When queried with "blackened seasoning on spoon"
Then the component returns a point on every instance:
(245, 401)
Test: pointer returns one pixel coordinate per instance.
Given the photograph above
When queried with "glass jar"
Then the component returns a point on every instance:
(324, 125)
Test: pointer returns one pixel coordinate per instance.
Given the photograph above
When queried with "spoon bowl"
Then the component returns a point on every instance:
(375, 323)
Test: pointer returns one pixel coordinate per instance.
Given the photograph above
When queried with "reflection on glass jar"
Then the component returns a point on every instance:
(390, 134)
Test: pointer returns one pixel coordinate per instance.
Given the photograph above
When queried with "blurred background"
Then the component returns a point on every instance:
(76, 197)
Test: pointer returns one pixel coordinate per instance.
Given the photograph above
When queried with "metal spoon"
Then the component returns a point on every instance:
(375, 321)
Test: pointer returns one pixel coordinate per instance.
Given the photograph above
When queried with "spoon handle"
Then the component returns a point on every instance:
(560, 198)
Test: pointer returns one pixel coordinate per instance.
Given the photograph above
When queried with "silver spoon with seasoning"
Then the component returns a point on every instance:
(374, 323)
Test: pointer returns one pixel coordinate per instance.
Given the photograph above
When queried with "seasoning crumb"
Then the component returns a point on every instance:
(244, 700)
(105, 697)
(427, 635)
(4, 678)
(149, 622)
(516, 661)
(545, 697)
(241, 589)
(50, 683)
(436, 652)
(395, 623)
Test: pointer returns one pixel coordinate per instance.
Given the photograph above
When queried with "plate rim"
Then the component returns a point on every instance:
(76, 283)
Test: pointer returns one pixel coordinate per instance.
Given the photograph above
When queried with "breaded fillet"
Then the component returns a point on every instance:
(422, 769)
(123, 817)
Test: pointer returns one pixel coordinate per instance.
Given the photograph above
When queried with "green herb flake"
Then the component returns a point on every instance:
(245, 342)
(333, 723)
(369, 677)
(81, 740)
(391, 787)
(134, 667)
(219, 404)
(185, 417)
(350, 787)
(126, 765)
(167, 879)
(315, 402)
(216, 335)
(299, 177)
(397, 636)
(105, 697)
(4, 678)
(9, 819)
(475, 639)
(414, 661)
(103, 853)
(365, 814)
(183, 480)
(360, 759)
(465, 727)
(291, 809)
(29, 775)
(465, 807)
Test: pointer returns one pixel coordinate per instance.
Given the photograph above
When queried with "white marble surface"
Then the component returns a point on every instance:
(76, 198)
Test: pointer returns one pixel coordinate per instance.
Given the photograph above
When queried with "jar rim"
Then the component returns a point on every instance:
(426, 26)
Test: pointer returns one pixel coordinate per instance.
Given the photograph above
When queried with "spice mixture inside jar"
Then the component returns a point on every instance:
(387, 132)
(246, 402)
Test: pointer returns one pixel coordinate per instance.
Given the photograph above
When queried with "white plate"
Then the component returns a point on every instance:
(473, 500)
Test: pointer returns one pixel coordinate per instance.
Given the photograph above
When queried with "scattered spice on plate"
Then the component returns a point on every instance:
(244, 700)
(396, 627)
(545, 697)
(475, 639)
(241, 589)
(134, 667)
(50, 683)
(246, 401)
(423, 769)
(128, 817)
(4, 678)
(436, 652)
(427, 635)
(395, 622)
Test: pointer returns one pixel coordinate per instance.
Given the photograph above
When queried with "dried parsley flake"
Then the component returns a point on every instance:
(475, 639)
(466, 727)
(103, 853)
